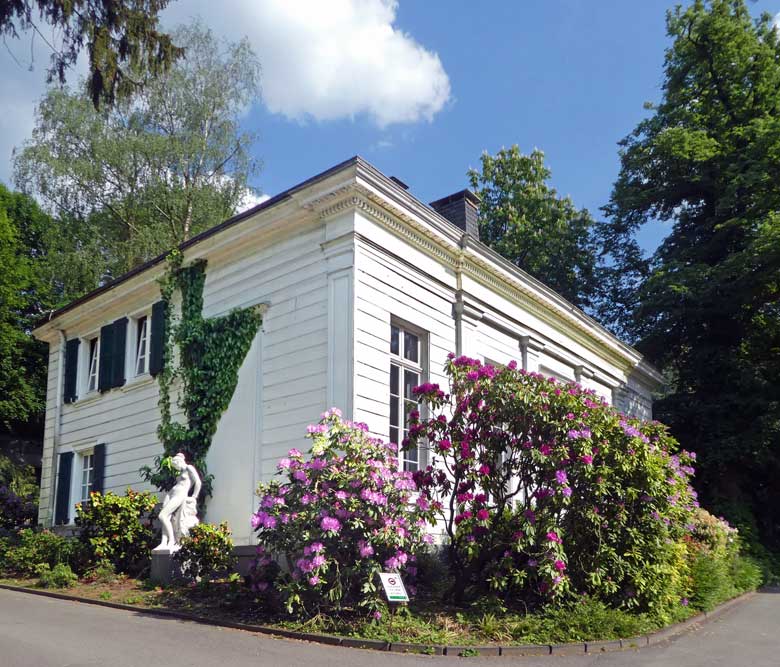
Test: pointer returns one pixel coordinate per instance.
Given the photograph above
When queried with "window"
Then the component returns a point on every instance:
(87, 475)
(405, 373)
(94, 361)
(142, 346)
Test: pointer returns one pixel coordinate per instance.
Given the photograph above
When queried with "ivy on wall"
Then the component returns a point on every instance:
(201, 360)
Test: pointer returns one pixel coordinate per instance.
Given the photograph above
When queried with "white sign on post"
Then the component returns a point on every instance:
(394, 587)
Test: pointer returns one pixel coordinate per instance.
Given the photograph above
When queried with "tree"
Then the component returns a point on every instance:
(122, 38)
(21, 380)
(706, 159)
(525, 220)
(156, 168)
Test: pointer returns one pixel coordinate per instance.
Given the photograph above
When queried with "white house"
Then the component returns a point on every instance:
(368, 290)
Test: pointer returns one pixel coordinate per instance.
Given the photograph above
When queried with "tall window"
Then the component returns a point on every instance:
(87, 475)
(94, 360)
(142, 346)
(405, 374)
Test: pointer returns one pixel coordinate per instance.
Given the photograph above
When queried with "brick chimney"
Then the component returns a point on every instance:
(461, 210)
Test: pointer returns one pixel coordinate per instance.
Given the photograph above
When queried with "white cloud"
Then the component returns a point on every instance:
(250, 200)
(321, 60)
(332, 60)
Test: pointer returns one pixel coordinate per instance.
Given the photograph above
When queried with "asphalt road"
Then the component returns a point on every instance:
(45, 632)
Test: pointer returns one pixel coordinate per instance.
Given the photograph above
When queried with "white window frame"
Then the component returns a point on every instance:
(87, 467)
(138, 341)
(81, 452)
(420, 367)
(86, 344)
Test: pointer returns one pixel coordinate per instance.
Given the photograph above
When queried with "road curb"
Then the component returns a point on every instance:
(633, 643)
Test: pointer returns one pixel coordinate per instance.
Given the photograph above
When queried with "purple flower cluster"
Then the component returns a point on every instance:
(337, 513)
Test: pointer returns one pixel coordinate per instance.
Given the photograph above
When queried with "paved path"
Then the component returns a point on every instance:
(45, 632)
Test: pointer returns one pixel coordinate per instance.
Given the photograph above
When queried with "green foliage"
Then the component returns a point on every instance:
(59, 576)
(121, 38)
(21, 383)
(545, 490)
(118, 529)
(207, 552)
(706, 311)
(718, 570)
(524, 219)
(30, 548)
(157, 168)
(211, 352)
(102, 573)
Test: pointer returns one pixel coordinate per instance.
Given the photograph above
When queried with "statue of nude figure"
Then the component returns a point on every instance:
(179, 510)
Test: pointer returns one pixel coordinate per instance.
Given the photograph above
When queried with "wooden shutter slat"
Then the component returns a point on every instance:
(99, 467)
(71, 370)
(62, 506)
(157, 341)
(120, 352)
(106, 357)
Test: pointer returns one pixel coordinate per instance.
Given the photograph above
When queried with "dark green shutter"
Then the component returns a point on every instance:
(71, 369)
(99, 468)
(157, 342)
(120, 344)
(106, 357)
(62, 508)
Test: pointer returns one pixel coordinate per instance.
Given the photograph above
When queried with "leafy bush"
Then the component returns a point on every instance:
(32, 548)
(16, 511)
(101, 573)
(60, 576)
(718, 570)
(119, 529)
(337, 519)
(546, 491)
(207, 552)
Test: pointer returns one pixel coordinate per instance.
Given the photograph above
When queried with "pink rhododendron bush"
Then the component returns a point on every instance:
(336, 517)
(548, 493)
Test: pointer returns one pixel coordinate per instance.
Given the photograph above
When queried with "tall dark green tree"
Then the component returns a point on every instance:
(524, 219)
(707, 159)
(121, 38)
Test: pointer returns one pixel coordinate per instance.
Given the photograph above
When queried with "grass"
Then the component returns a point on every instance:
(425, 622)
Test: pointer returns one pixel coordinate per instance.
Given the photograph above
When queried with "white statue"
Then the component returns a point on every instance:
(179, 510)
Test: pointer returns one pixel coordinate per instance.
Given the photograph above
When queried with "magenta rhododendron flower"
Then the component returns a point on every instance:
(330, 523)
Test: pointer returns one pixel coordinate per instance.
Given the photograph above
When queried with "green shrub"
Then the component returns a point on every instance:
(33, 547)
(60, 576)
(207, 552)
(746, 574)
(718, 569)
(102, 573)
(545, 491)
(119, 529)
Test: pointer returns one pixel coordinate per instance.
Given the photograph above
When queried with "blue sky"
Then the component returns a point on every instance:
(567, 76)
(421, 87)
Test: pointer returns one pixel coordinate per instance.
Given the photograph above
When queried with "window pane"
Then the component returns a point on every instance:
(411, 347)
(411, 380)
(394, 334)
(394, 411)
(394, 435)
(411, 459)
(394, 380)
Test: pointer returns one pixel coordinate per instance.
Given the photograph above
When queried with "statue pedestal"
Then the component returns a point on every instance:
(165, 570)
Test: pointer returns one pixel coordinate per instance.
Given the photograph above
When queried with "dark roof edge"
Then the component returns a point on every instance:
(211, 231)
